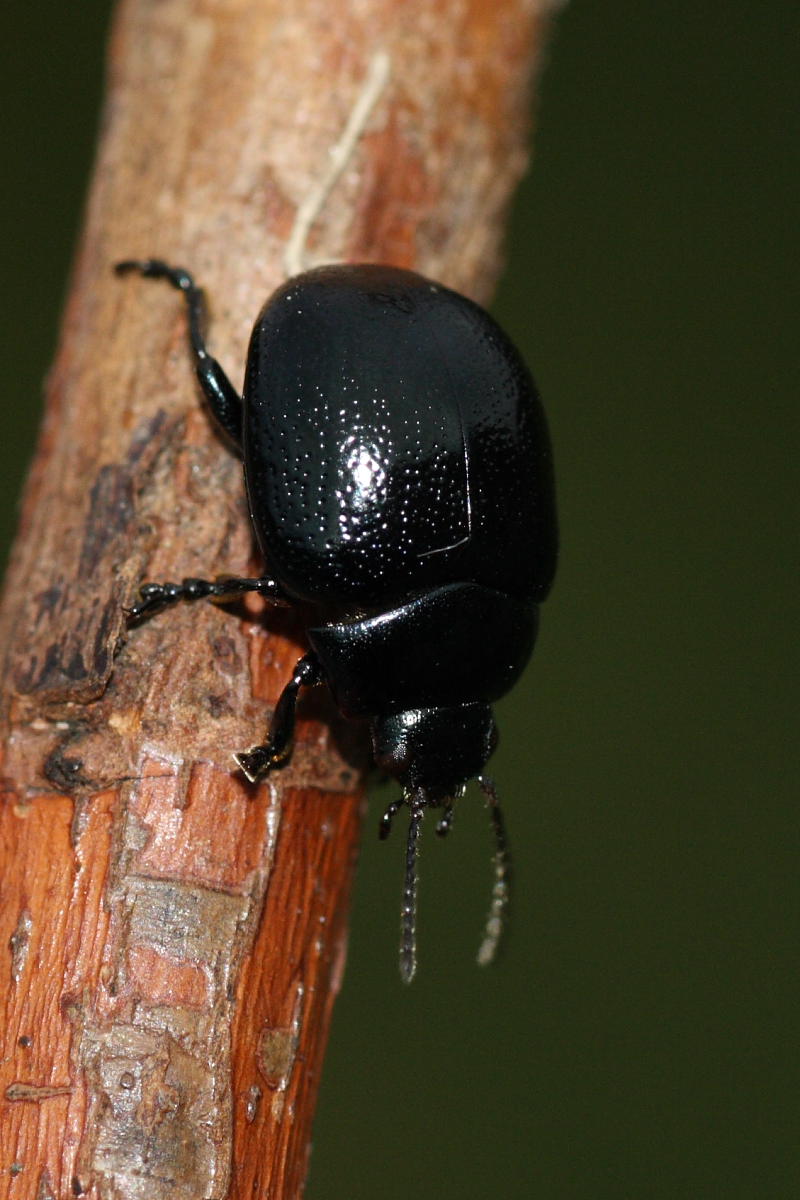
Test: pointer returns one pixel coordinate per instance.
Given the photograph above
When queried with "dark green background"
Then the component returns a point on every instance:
(639, 1038)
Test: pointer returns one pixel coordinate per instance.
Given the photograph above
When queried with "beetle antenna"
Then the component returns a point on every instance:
(408, 913)
(501, 891)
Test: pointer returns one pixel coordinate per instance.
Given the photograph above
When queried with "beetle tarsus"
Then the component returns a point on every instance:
(156, 596)
(156, 268)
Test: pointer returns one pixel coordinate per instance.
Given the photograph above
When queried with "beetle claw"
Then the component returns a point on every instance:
(137, 612)
(254, 762)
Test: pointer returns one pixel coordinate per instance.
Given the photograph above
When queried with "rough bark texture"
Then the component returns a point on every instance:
(173, 937)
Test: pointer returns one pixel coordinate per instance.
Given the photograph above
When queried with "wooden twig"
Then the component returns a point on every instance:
(173, 937)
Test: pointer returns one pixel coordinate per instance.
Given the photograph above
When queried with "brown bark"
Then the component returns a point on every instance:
(174, 938)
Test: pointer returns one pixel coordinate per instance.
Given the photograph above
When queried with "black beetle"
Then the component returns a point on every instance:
(400, 481)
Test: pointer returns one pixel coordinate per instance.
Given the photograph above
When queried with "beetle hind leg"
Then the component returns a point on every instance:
(276, 751)
(221, 396)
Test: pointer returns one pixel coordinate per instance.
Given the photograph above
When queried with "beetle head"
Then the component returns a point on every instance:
(435, 750)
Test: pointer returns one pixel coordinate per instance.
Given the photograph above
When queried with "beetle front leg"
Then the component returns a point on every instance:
(155, 596)
(275, 752)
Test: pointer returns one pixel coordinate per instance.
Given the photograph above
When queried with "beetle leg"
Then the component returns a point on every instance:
(275, 752)
(155, 596)
(222, 398)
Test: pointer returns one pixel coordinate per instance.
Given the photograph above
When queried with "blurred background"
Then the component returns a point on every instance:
(639, 1037)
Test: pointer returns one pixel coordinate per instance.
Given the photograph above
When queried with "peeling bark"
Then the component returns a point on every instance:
(175, 938)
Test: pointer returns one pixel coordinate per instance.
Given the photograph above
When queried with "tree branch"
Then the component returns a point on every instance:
(175, 938)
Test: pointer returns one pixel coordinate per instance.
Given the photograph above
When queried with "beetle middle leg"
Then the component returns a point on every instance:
(275, 752)
(155, 596)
